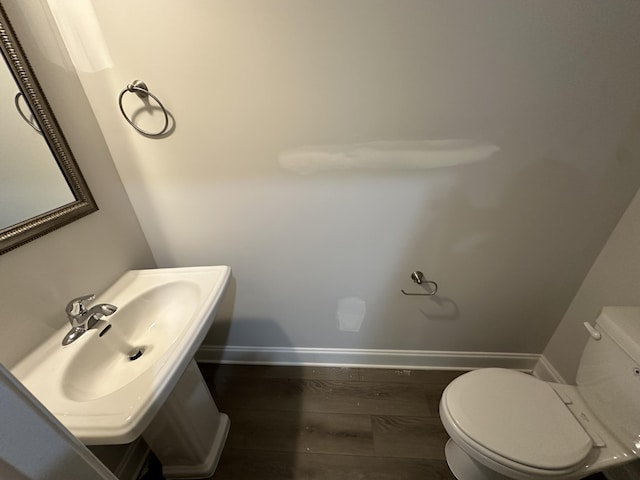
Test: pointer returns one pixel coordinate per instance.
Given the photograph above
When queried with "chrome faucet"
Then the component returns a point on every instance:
(83, 319)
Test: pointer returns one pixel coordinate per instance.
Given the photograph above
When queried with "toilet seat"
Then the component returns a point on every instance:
(514, 420)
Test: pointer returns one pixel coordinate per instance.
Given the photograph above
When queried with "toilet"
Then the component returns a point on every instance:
(506, 424)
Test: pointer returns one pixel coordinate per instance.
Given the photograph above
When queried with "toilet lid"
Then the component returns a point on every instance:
(518, 417)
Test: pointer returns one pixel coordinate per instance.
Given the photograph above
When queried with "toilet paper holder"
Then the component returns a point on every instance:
(418, 277)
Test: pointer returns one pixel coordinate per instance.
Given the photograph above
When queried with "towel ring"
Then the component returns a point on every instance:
(32, 124)
(142, 91)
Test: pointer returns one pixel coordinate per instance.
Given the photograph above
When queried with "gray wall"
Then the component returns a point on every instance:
(329, 148)
(37, 279)
(614, 279)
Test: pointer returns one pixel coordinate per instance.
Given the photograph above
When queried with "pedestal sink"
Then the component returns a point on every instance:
(135, 374)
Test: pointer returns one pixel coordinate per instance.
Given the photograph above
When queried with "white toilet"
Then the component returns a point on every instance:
(506, 424)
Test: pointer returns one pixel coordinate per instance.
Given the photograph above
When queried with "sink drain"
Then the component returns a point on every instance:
(135, 354)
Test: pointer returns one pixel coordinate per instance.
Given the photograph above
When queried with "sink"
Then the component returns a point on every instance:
(109, 385)
(141, 333)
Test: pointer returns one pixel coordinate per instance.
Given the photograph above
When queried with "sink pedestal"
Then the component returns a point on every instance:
(188, 432)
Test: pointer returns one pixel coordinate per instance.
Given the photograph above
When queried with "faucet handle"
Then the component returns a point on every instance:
(76, 306)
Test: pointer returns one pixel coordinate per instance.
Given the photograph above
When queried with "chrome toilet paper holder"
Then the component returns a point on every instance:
(418, 277)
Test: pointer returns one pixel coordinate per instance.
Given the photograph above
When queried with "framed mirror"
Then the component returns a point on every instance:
(41, 186)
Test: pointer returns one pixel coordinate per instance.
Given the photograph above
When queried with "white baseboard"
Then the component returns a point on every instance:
(544, 370)
(331, 357)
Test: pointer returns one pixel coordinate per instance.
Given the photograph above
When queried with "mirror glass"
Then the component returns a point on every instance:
(41, 187)
(32, 182)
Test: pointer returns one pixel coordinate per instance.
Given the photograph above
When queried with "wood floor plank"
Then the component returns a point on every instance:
(440, 377)
(282, 466)
(301, 432)
(409, 437)
(374, 398)
(315, 423)
(282, 372)
(361, 374)
(433, 394)
(258, 394)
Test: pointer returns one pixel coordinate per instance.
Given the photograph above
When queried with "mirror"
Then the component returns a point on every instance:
(41, 186)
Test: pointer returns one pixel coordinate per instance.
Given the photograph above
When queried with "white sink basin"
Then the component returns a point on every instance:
(93, 387)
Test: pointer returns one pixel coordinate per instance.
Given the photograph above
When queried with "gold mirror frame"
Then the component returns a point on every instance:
(32, 228)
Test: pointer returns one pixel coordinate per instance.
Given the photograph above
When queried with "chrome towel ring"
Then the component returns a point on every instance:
(142, 91)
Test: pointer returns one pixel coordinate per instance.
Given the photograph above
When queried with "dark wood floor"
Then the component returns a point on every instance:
(309, 423)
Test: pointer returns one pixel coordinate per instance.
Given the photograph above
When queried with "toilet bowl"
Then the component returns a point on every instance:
(506, 424)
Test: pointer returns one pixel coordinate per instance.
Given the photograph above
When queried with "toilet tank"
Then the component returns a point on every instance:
(609, 374)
